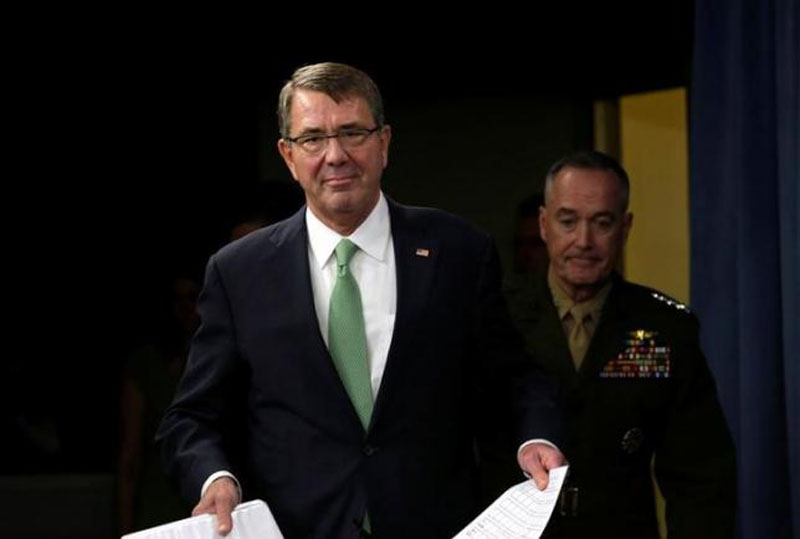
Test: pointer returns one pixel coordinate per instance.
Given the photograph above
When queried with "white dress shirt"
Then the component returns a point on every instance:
(373, 268)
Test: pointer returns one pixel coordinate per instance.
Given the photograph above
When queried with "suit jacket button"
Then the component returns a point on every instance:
(369, 450)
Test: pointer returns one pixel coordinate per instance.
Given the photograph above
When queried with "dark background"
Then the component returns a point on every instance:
(148, 146)
(137, 135)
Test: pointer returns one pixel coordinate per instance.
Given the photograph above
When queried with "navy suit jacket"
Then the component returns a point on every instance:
(262, 398)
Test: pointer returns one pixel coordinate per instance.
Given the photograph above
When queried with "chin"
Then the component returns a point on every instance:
(342, 202)
(583, 279)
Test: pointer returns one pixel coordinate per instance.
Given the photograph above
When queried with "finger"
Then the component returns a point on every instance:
(225, 505)
(559, 459)
(205, 505)
(220, 499)
(551, 458)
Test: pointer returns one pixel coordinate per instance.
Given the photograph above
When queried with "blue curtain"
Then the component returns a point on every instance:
(745, 247)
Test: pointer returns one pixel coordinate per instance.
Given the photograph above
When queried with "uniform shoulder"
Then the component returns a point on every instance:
(655, 299)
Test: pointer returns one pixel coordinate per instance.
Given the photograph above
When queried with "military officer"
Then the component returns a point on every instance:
(635, 382)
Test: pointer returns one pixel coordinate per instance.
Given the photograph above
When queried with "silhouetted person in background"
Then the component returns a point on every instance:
(530, 251)
(146, 497)
(269, 203)
(530, 258)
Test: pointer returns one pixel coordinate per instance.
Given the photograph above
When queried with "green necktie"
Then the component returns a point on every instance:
(347, 340)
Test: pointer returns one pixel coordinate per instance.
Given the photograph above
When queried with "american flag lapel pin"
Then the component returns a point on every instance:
(425, 253)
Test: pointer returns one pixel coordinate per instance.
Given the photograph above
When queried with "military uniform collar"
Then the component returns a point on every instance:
(563, 303)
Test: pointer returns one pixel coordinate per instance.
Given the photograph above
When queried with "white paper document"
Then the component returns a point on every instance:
(520, 512)
(251, 520)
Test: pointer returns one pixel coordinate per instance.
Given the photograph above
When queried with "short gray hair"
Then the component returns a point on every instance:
(339, 81)
(592, 160)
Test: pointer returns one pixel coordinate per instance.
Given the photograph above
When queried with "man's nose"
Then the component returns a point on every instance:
(584, 237)
(335, 154)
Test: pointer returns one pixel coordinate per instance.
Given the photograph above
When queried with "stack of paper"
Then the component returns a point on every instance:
(251, 520)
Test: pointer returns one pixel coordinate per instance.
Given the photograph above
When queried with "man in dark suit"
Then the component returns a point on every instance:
(635, 382)
(355, 339)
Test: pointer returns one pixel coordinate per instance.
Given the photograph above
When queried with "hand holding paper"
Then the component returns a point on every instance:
(251, 520)
(537, 458)
(520, 512)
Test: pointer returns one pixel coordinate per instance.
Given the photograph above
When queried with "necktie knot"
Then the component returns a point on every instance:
(345, 250)
(581, 312)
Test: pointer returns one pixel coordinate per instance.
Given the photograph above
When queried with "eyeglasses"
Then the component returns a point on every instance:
(314, 143)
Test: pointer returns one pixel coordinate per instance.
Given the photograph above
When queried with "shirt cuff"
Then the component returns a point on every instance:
(530, 442)
(216, 475)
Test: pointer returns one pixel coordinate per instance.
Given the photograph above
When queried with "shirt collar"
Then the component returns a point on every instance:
(564, 303)
(372, 236)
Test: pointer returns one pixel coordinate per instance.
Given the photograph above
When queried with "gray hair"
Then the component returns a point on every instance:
(592, 160)
(339, 81)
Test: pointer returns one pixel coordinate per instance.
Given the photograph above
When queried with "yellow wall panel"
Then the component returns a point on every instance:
(654, 148)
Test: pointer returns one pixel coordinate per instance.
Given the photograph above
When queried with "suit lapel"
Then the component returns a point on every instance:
(415, 260)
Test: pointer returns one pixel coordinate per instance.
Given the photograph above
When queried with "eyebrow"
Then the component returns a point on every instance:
(318, 130)
(569, 212)
(311, 131)
(565, 211)
(609, 214)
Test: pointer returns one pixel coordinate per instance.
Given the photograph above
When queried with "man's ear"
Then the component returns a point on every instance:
(626, 226)
(287, 152)
(385, 135)
(542, 223)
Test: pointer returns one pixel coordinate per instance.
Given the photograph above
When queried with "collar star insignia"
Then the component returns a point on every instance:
(669, 301)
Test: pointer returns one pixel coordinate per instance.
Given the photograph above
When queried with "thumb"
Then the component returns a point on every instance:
(538, 473)
(225, 520)
(530, 462)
